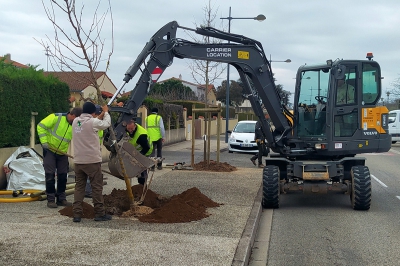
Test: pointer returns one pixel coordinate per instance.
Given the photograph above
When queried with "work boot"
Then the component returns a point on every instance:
(253, 161)
(105, 217)
(159, 167)
(76, 219)
(52, 204)
(261, 166)
(64, 203)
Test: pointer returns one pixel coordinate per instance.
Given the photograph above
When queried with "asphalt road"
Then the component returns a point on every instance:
(325, 230)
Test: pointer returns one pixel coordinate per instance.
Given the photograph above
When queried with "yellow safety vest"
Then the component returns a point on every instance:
(101, 133)
(56, 132)
(140, 131)
(153, 127)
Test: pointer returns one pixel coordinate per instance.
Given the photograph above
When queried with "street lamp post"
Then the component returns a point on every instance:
(286, 61)
(259, 18)
(388, 94)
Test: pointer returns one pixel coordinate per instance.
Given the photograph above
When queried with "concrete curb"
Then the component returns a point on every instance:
(243, 250)
(223, 149)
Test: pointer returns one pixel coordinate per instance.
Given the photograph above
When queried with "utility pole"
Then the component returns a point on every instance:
(47, 54)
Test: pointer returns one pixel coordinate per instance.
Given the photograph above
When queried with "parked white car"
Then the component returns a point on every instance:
(241, 138)
(394, 125)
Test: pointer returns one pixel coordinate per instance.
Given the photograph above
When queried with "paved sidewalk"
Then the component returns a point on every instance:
(32, 234)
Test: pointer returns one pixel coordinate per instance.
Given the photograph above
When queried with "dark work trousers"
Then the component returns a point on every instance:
(55, 163)
(143, 177)
(88, 189)
(157, 145)
(259, 154)
(82, 173)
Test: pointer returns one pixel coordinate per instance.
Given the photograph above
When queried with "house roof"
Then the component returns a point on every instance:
(107, 94)
(77, 81)
(14, 63)
(211, 87)
(183, 81)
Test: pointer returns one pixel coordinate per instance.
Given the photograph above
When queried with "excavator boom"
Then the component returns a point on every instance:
(243, 53)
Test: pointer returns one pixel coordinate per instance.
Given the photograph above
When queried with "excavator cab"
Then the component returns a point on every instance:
(335, 109)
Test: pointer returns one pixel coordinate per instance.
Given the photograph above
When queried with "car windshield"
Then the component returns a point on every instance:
(245, 128)
(392, 117)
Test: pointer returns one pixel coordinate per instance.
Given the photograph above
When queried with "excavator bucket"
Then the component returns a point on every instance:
(133, 162)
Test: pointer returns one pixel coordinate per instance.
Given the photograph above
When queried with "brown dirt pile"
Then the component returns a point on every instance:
(191, 205)
(214, 167)
(88, 211)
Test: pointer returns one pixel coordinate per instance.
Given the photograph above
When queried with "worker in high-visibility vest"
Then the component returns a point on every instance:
(55, 134)
(141, 141)
(156, 131)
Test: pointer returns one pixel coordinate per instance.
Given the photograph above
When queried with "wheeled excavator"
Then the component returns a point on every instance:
(335, 115)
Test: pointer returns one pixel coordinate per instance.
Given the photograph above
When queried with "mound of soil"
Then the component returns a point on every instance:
(190, 205)
(88, 211)
(214, 167)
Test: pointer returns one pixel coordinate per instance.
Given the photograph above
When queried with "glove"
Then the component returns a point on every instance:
(45, 146)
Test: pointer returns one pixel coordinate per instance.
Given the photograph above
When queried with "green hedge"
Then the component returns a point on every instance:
(24, 91)
(247, 116)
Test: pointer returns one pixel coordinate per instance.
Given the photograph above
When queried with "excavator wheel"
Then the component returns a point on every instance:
(361, 188)
(270, 197)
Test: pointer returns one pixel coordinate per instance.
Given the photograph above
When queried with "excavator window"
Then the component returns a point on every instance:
(312, 103)
(346, 121)
(346, 91)
(370, 80)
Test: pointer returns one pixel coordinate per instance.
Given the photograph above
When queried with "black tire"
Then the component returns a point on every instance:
(230, 151)
(361, 190)
(393, 142)
(270, 197)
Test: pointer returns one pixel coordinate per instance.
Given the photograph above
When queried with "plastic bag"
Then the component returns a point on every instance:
(26, 170)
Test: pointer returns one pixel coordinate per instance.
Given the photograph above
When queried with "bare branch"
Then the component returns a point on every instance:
(78, 46)
(206, 72)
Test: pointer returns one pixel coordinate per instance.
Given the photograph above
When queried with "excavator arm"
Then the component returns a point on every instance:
(317, 157)
(243, 53)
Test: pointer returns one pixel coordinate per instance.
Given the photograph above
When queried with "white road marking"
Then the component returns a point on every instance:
(379, 181)
(389, 153)
(394, 151)
(398, 197)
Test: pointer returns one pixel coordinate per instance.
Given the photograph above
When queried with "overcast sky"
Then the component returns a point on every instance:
(307, 32)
